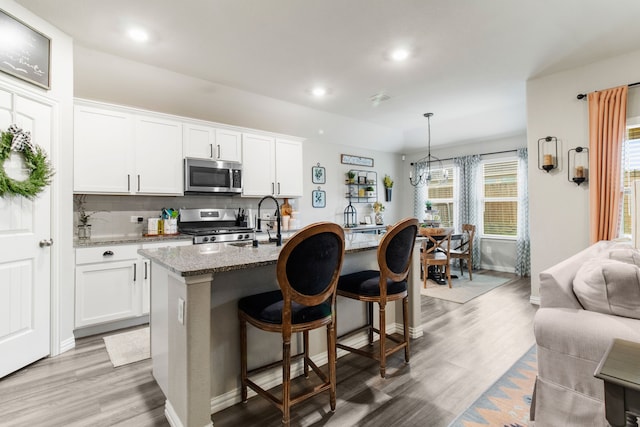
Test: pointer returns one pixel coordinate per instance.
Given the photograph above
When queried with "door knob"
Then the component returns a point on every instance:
(45, 242)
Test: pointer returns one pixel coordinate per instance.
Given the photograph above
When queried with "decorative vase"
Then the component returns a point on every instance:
(379, 219)
(84, 231)
(387, 193)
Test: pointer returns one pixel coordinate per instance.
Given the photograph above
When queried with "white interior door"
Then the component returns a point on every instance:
(24, 265)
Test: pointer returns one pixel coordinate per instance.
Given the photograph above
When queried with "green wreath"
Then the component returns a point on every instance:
(35, 160)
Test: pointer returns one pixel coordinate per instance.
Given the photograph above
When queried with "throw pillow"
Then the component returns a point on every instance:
(628, 255)
(609, 286)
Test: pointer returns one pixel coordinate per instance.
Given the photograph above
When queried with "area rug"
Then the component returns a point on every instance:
(506, 403)
(128, 347)
(463, 289)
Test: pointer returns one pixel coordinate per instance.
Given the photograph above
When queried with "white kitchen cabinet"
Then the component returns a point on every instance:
(108, 286)
(271, 166)
(102, 146)
(122, 152)
(207, 142)
(158, 156)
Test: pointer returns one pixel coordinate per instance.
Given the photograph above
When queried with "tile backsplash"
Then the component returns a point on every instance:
(111, 215)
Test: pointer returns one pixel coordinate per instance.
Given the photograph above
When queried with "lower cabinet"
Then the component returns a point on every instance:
(113, 283)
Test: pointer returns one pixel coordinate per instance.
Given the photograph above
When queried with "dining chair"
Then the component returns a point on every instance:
(387, 284)
(307, 272)
(464, 251)
(435, 251)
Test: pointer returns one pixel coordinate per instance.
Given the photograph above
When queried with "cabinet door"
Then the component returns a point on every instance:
(103, 141)
(288, 161)
(228, 145)
(158, 157)
(199, 142)
(106, 292)
(258, 165)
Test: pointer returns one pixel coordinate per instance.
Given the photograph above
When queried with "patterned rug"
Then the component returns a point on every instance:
(463, 289)
(128, 347)
(506, 403)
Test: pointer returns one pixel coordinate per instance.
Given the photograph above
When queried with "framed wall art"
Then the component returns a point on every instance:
(318, 198)
(318, 175)
(27, 56)
(348, 159)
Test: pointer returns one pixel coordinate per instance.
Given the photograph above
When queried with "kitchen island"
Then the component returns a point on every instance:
(194, 324)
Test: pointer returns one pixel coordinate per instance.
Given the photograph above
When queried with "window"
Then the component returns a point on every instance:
(499, 198)
(441, 196)
(630, 173)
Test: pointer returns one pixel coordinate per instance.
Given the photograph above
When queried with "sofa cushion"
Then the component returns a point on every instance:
(628, 255)
(609, 286)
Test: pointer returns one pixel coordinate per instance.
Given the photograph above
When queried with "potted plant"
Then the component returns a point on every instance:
(378, 208)
(388, 185)
(351, 176)
(84, 228)
(370, 191)
(428, 205)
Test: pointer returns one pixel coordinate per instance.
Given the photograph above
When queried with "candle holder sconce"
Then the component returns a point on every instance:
(548, 153)
(578, 165)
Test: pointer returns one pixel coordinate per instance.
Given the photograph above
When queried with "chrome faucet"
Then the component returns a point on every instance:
(278, 238)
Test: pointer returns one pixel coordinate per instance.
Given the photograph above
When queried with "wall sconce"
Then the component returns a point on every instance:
(578, 165)
(548, 153)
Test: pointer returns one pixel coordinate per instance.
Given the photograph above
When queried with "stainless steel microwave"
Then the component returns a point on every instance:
(211, 176)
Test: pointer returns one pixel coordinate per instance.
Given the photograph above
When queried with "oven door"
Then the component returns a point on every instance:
(210, 176)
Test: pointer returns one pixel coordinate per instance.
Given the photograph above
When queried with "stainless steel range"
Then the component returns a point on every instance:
(216, 225)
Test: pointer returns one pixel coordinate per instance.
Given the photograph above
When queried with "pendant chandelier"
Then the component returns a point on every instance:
(422, 171)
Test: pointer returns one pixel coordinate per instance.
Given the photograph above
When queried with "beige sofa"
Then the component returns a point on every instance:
(571, 340)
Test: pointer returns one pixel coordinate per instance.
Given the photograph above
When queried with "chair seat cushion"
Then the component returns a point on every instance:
(267, 307)
(367, 283)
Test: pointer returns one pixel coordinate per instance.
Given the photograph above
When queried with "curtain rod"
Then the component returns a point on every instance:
(584, 95)
(483, 154)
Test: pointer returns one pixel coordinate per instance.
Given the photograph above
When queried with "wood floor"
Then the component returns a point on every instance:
(465, 348)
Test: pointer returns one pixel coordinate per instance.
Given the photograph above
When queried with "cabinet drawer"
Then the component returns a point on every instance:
(106, 254)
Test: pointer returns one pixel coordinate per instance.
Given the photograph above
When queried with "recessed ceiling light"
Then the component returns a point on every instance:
(139, 35)
(319, 92)
(399, 54)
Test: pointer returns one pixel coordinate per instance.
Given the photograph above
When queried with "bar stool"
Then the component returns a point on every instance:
(307, 270)
(386, 285)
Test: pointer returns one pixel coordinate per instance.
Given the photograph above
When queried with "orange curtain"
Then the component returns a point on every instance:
(607, 124)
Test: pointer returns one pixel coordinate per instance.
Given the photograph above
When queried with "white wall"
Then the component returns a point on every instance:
(559, 210)
(61, 156)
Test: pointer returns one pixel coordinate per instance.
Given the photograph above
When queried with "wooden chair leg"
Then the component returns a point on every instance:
(461, 269)
(286, 381)
(305, 338)
(370, 321)
(243, 359)
(382, 341)
(405, 322)
(425, 274)
(331, 349)
(470, 267)
(448, 270)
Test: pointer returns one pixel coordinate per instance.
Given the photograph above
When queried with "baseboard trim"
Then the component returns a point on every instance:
(534, 300)
(499, 268)
(66, 345)
(111, 326)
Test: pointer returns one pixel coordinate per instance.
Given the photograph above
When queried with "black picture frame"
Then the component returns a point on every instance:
(318, 175)
(28, 57)
(349, 159)
(318, 199)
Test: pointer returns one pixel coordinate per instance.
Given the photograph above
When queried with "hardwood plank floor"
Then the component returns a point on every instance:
(465, 349)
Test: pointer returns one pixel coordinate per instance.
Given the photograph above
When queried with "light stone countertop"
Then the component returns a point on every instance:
(126, 240)
(219, 257)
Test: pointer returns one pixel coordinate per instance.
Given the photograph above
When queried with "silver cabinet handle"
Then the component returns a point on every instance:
(135, 270)
(46, 242)
(278, 188)
(211, 149)
(128, 182)
(218, 150)
(145, 270)
(273, 188)
(138, 182)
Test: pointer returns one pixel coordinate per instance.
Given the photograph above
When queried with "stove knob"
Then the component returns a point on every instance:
(239, 237)
(246, 236)
(205, 239)
(213, 238)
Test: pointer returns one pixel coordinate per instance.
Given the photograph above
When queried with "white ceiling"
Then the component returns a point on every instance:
(469, 64)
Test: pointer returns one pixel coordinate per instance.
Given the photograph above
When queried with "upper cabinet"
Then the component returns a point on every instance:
(271, 166)
(206, 142)
(118, 152)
